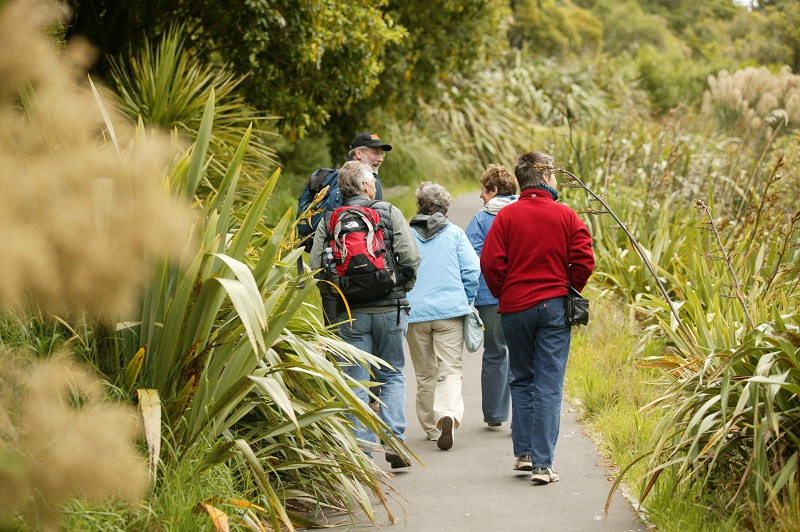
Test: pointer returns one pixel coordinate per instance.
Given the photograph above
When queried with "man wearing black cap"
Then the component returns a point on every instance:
(367, 148)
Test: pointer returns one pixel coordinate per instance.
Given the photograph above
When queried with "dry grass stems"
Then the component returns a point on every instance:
(60, 439)
(81, 220)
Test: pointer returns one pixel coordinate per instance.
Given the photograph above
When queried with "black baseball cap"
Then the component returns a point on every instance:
(369, 139)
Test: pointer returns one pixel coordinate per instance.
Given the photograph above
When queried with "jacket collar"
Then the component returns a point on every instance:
(359, 201)
(494, 205)
(542, 191)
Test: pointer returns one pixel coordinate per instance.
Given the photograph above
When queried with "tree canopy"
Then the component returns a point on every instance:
(331, 62)
(308, 59)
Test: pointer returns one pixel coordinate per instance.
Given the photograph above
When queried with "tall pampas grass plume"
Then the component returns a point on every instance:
(83, 217)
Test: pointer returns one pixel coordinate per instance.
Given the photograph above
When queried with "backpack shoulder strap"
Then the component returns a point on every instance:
(326, 221)
(384, 208)
(380, 204)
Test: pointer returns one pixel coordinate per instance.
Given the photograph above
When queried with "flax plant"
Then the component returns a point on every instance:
(728, 387)
(238, 360)
(167, 87)
(730, 416)
(734, 423)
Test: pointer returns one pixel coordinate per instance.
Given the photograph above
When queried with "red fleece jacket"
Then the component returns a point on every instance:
(535, 249)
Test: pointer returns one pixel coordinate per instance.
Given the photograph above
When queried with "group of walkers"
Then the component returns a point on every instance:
(515, 264)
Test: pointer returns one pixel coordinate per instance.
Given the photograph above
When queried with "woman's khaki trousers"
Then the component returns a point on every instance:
(436, 348)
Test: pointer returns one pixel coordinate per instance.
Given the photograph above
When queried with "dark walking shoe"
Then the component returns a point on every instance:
(445, 441)
(494, 423)
(395, 460)
(523, 463)
(544, 475)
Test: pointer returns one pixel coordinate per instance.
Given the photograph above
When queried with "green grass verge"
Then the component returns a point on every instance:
(610, 386)
(177, 505)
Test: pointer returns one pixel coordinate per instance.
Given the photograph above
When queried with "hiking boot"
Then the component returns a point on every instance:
(523, 463)
(445, 441)
(544, 475)
(395, 460)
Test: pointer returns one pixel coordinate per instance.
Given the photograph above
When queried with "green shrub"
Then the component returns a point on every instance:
(553, 30)
(669, 77)
(167, 88)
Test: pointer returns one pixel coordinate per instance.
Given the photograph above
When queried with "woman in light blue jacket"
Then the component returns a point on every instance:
(447, 281)
(498, 185)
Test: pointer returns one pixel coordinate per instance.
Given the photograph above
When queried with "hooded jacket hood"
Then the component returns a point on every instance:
(428, 225)
(494, 205)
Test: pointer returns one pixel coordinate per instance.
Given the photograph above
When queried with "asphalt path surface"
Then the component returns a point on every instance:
(473, 486)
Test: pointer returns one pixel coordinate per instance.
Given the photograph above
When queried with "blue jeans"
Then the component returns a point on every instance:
(384, 333)
(495, 375)
(538, 347)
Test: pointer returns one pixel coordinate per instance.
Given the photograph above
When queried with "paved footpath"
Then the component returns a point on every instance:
(473, 487)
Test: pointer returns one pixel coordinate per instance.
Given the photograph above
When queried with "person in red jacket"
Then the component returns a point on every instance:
(534, 251)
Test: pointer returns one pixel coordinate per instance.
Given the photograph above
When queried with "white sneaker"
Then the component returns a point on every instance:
(544, 475)
(523, 463)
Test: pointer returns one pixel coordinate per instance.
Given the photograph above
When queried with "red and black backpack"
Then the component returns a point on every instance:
(360, 252)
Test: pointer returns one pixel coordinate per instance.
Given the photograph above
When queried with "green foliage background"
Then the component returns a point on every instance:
(644, 100)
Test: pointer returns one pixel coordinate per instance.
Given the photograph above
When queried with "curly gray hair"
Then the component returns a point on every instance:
(432, 198)
(353, 175)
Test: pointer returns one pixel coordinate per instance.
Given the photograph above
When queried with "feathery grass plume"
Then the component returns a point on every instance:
(62, 440)
(81, 219)
(731, 96)
(24, 53)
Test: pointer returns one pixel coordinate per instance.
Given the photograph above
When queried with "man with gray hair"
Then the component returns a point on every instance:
(366, 148)
(380, 321)
(369, 149)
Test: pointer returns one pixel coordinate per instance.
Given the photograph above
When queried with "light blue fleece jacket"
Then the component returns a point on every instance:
(447, 279)
(477, 230)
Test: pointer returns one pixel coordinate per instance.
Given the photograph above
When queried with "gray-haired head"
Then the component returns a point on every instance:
(533, 168)
(353, 177)
(432, 198)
